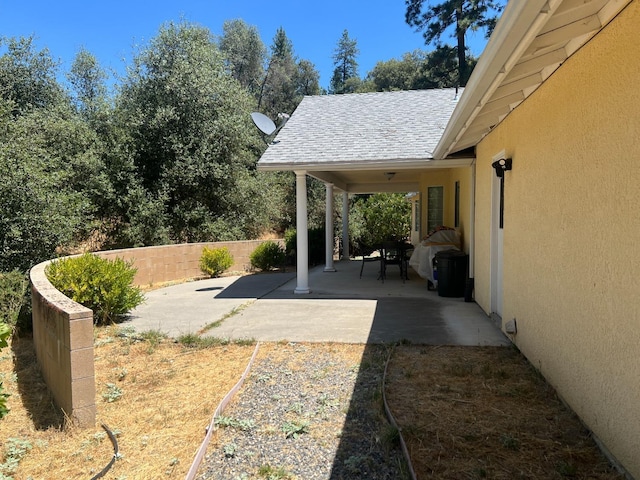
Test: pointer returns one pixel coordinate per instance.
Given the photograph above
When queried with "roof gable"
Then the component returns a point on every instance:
(360, 130)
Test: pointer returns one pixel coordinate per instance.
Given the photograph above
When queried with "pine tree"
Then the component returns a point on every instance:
(436, 19)
(345, 75)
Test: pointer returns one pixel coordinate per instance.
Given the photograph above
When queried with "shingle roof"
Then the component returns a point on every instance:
(361, 129)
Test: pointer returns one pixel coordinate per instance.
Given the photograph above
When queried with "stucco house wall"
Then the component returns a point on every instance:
(447, 178)
(572, 222)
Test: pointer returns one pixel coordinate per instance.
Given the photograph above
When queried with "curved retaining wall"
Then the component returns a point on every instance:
(63, 329)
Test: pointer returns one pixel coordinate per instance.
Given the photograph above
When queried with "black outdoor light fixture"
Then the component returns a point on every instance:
(502, 166)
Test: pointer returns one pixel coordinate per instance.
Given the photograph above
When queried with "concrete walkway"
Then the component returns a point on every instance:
(340, 308)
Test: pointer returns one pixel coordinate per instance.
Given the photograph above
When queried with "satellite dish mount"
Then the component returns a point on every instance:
(267, 127)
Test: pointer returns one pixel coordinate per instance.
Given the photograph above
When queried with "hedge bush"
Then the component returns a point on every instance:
(317, 240)
(104, 286)
(214, 261)
(13, 290)
(5, 333)
(267, 256)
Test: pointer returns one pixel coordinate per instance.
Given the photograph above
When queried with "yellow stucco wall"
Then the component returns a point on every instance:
(447, 179)
(572, 231)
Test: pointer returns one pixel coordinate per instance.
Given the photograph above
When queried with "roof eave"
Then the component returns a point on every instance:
(396, 164)
(517, 27)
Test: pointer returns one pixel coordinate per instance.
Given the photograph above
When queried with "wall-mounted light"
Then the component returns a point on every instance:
(389, 175)
(502, 166)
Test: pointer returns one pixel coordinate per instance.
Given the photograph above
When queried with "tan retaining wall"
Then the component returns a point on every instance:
(63, 340)
(63, 329)
(166, 263)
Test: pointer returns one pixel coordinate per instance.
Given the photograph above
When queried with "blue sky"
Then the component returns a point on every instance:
(111, 29)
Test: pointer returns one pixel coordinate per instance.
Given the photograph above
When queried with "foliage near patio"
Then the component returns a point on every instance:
(380, 217)
(168, 157)
(13, 288)
(267, 256)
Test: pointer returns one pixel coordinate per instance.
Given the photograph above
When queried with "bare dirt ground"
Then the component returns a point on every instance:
(485, 412)
(465, 412)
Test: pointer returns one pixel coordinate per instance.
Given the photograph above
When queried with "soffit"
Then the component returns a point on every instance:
(531, 40)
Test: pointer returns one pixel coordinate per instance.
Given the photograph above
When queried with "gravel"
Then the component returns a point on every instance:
(308, 411)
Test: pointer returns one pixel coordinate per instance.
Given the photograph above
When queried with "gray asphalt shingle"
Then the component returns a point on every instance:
(362, 128)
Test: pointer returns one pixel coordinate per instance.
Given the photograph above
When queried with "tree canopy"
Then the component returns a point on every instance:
(244, 53)
(168, 152)
(345, 77)
(435, 19)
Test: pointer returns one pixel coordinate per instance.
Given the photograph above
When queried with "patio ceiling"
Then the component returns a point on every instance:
(531, 40)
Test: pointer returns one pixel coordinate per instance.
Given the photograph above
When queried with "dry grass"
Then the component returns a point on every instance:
(466, 412)
(471, 413)
(169, 393)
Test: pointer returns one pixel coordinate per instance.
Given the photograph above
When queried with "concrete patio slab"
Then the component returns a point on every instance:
(341, 307)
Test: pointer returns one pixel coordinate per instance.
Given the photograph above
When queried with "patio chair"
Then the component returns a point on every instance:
(396, 253)
(370, 254)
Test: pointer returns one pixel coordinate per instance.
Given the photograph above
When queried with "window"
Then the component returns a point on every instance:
(435, 207)
(416, 213)
(456, 219)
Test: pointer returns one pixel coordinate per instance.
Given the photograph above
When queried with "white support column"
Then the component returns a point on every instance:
(345, 226)
(302, 234)
(328, 228)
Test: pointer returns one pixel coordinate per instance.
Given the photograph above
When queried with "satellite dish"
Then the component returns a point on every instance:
(264, 123)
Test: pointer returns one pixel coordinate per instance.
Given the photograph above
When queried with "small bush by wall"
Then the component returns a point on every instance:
(214, 261)
(267, 256)
(104, 286)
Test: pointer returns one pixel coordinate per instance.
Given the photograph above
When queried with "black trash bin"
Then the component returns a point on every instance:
(452, 273)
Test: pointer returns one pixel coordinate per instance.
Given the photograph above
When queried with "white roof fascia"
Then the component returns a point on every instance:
(399, 164)
(517, 28)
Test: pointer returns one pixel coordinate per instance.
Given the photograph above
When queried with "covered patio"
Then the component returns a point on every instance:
(363, 143)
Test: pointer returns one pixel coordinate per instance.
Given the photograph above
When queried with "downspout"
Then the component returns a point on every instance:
(468, 292)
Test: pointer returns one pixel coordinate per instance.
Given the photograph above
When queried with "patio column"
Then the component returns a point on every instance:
(328, 229)
(302, 234)
(345, 226)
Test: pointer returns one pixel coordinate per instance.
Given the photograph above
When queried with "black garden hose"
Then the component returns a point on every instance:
(392, 420)
(116, 454)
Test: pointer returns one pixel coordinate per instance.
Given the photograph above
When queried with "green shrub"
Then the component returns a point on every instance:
(104, 286)
(215, 261)
(13, 289)
(290, 240)
(5, 333)
(267, 255)
(4, 411)
(316, 242)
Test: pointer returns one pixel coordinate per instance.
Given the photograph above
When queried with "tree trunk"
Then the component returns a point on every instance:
(462, 59)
